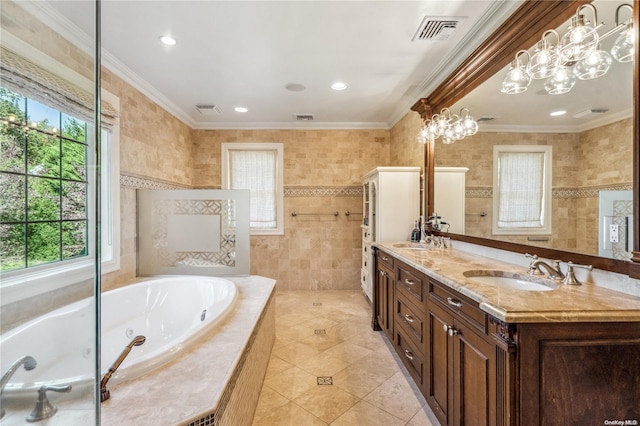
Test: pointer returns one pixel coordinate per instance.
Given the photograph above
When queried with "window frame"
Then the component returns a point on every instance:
(25, 283)
(279, 178)
(546, 210)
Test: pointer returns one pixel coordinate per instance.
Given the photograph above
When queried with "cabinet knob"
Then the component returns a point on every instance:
(409, 318)
(385, 258)
(452, 331)
(408, 354)
(408, 281)
(446, 327)
(383, 273)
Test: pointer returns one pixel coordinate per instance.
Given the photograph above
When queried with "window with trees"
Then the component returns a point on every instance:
(43, 184)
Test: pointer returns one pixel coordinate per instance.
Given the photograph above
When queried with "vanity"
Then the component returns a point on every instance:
(491, 354)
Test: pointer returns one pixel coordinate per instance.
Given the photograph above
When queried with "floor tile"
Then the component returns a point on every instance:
(269, 401)
(358, 381)
(323, 364)
(277, 365)
(326, 402)
(289, 414)
(395, 398)
(291, 383)
(348, 352)
(424, 417)
(295, 352)
(365, 414)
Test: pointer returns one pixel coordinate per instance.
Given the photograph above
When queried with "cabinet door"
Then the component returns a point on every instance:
(473, 377)
(439, 383)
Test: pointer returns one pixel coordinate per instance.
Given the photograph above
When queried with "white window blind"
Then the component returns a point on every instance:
(258, 168)
(522, 190)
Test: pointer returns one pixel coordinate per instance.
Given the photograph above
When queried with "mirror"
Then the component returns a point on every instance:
(592, 146)
(523, 119)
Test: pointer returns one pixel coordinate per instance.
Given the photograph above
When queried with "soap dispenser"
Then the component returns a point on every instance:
(415, 234)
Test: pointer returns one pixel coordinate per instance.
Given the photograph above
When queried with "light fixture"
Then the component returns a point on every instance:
(623, 47)
(561, 81)
(240, 109)
(581, 37)
(595, 64)
(558, 113)
(449, 127)
(338, 85)
(577, 54)
(168, 40)
(517, 79)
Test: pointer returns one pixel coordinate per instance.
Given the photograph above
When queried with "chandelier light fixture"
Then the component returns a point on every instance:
(577, 54)
(449, 127)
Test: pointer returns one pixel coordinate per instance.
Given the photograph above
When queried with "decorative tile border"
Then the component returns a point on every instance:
(558, 192)
(322, 191)
(140, 182)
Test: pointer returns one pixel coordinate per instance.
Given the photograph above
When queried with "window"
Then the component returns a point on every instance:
(257, 167)
(521, 189)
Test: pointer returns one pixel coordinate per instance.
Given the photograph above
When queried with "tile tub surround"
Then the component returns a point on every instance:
(215, 381)
(329, 367)
(585, 303)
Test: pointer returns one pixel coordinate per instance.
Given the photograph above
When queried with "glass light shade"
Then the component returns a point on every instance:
(623, 48)
(448, 140)
(594, 65)
(578, 41)
(561, 81)
(544, 61)
(422, 135)
(470, 126)
(458, 130)
(517, 79)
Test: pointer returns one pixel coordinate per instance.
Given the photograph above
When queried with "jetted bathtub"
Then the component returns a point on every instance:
(171, 312)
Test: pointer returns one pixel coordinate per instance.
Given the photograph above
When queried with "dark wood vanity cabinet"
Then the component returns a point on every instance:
(474, 369)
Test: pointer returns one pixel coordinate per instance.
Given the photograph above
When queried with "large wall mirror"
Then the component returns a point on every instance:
(594, 143)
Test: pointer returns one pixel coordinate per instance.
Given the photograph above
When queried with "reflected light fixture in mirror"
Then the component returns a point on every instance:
(577, 54)
(449, 127)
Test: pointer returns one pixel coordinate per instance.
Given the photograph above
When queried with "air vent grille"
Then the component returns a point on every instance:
(304, 117)
(209, 109)
(485, 118)
(437, 28)
(590, 111)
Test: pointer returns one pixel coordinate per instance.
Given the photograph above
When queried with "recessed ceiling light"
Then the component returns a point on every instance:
(338, 85)
(240, 109)
(557, 113)
(168, 40)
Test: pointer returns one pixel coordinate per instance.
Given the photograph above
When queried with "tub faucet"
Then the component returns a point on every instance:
(29, 364)
(104, 392)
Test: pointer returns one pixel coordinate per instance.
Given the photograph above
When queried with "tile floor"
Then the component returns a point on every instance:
(328, 367)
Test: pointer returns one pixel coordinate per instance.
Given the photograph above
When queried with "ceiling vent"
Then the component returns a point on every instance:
(485, 119)
(590, 111)
(209, 109)
(304, 117)
(437, 27)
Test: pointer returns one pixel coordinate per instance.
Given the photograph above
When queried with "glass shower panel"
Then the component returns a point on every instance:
(49, 234)
(193, 232)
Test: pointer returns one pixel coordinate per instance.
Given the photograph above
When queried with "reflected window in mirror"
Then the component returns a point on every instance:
(522, 188)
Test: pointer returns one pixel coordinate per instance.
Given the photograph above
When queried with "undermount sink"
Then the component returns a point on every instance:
(509, 280)
(412, 246)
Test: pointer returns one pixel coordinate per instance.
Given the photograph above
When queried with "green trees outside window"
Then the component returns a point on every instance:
(43, 184)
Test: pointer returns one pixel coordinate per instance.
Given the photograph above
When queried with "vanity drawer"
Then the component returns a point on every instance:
(459, 303)
(411, 319)
(412, 283)
(411, 357)
(385, 259)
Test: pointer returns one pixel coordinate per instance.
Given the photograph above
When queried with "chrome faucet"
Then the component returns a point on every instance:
(104, 392)
(29, 364)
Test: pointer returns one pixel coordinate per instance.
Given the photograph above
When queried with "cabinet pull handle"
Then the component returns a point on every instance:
(385, 258)
(452, 332)
(409, 318)
(408, 354)
(454, 302)
(408, 281)
(445, 327)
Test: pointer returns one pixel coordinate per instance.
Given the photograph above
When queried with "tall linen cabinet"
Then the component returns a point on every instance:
(390, 207)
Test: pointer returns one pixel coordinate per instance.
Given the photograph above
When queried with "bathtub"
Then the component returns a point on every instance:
(171, 312)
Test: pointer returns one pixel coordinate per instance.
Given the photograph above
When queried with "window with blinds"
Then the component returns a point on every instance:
(258, 168)
(522, 189)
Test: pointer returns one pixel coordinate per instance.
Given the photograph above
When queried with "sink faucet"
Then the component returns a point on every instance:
(104, 392)
(554, 271)
(29, 364)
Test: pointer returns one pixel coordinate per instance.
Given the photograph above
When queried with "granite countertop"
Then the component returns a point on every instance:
(584, 303)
